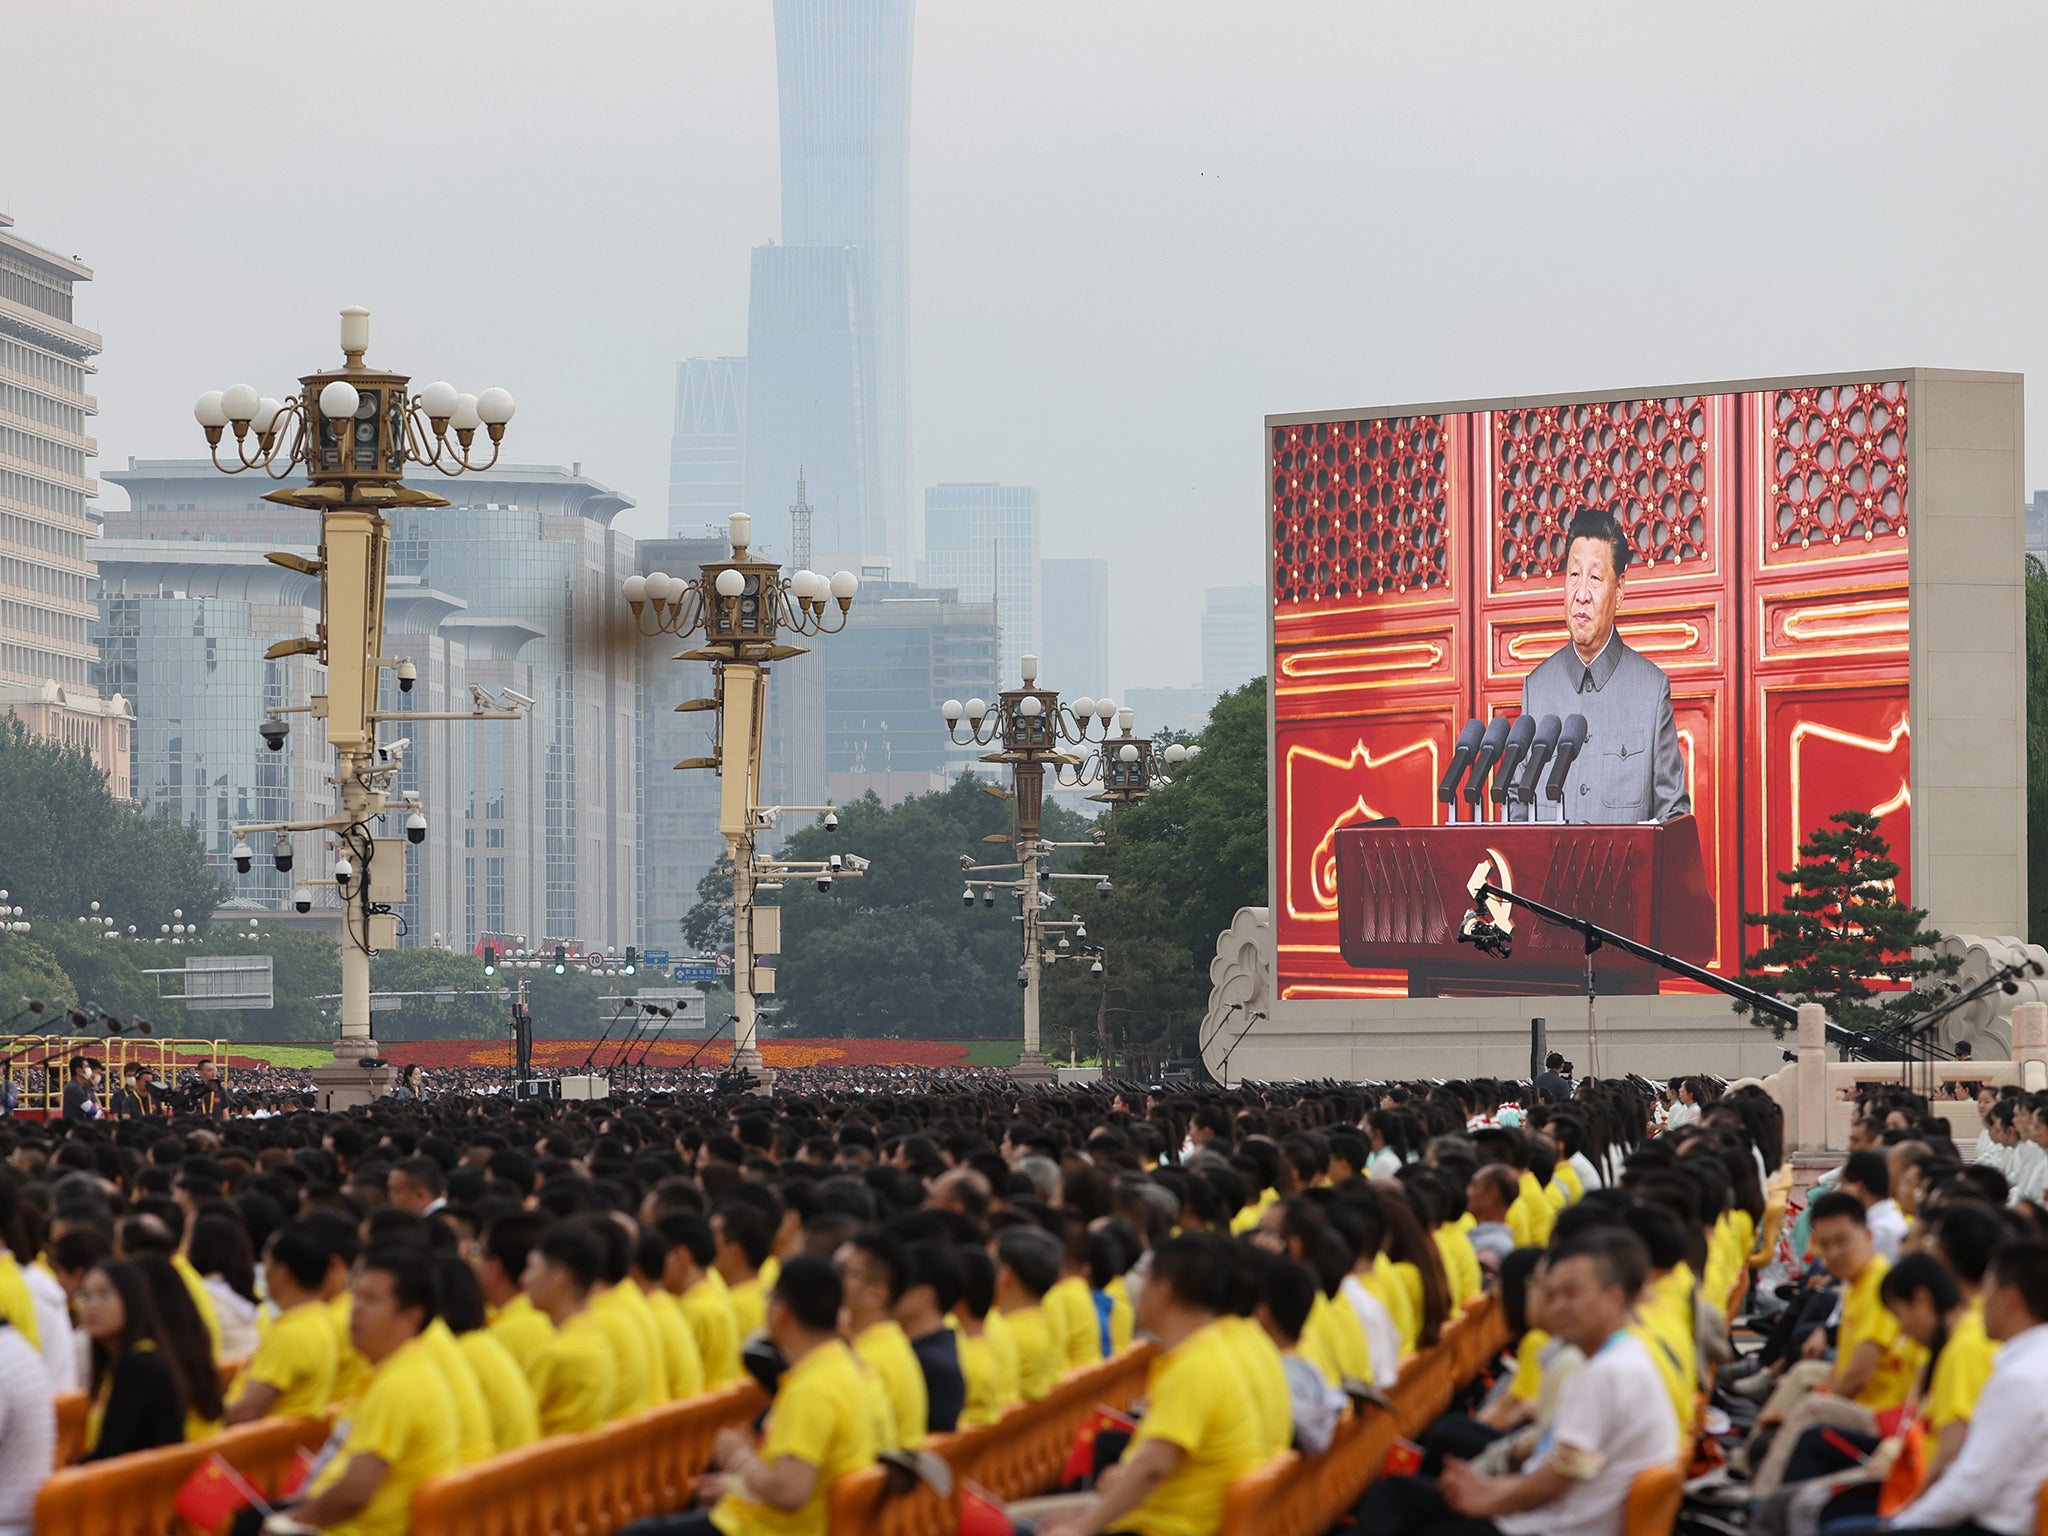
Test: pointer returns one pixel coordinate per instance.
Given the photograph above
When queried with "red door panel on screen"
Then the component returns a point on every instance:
(1827, 670)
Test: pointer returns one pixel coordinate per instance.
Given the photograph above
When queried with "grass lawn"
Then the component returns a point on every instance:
(285, 1055)
(991, 1053)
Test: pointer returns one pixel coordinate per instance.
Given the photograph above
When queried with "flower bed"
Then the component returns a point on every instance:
(452, 1054)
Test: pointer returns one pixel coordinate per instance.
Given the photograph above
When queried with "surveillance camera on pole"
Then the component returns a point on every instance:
(344, 871)
(302, 899)
(416, 827)
(968, 897)
(408, 674)
(243, 856)
(281, 853)
(1103, 887)
(831, 821)
(274, 732)
(837, 863)
(824, 882)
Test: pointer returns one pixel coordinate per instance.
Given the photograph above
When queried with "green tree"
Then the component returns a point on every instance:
(707, 927)
(1181, 862)
(1842, 937)
(2037, 750)
(896, 952)
(69, 843)
(470, 1010)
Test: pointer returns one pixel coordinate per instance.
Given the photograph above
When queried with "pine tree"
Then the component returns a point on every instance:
(1843, 938)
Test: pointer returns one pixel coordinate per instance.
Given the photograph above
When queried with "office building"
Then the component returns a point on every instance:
(1169, 709)
(843, 87)
(1233, 638)
(1073, 649)
(543, 811)
(708, 445)
(981, 539)
(810, 412)
(906, 649)
(2037, 525)
(46, 569)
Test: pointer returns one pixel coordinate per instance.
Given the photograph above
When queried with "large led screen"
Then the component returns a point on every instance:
(1744, 675)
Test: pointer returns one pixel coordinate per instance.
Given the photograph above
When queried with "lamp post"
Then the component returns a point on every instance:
(354, 430)
(742, 607)
(1032, 730)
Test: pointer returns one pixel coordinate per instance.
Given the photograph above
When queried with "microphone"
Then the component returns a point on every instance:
(1461, 759)
(1519, 738)
(1571, 740)
(1539, 753)
(1490, 748)
(77, 1019)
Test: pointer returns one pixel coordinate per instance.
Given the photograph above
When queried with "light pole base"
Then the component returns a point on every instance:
(1033, 1068)
(343, 1084)
(749, 1060)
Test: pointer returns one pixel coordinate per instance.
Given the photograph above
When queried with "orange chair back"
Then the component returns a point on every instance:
(71, 1411)
(587, 1485)
(137, 1495)
(1653, 1501)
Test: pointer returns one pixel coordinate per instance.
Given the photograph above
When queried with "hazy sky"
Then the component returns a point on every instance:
(1136, 225)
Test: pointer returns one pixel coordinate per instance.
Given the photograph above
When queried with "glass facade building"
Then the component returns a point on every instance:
(708, 445)
(1074, 609)
(904, 652)
(981, 539)
(843, 87)
(1233, 638)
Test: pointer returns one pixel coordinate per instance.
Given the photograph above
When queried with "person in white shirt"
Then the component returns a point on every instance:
(28, 1431)
(1577, 1482)
(1994, 1483)
(1685, 1108)
(1867, 1176)
(53, 1322)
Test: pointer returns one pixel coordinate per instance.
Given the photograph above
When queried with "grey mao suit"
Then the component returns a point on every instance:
(1631, 768)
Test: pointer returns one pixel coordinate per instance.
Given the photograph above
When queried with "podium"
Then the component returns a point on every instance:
(1402, 894)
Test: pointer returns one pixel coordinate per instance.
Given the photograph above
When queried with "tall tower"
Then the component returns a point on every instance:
(800, 527)
(843, 82)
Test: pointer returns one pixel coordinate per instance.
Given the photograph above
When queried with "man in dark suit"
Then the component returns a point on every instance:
(1631, 768)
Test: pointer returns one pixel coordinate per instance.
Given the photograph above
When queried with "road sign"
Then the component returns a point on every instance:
(654, 956)
(699, 971)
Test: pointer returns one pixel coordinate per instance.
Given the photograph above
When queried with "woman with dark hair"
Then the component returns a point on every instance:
(1388, 1129)
(219, 1250)
(137, 1401)
(1418, 1268)
(183, 1340)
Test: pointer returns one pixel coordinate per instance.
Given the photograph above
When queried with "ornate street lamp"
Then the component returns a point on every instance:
(1032, 731)
(742, 607)
(354, 430)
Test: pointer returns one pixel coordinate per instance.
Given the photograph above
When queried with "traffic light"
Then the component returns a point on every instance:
(561, 960)
(490, 959)
(632, 959)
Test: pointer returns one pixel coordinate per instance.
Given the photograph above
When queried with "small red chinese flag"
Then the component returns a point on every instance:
(1081, 1454)
(1404, 1459)
(982, 1513)
(210, 1497)
(295, 1477)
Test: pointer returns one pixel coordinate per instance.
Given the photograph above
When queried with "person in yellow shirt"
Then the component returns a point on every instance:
(819, 1428)
(1070, 1306)
(1195, 1437)
(689, 1276)
(873, 1269)
(576, 1379)
(498, 1261)
(1875, 1364)
(291, 1375)
(510, 1411)
(988, 1370)
(1027, 1261)
(336, 1234)
(745, 1239)
(621, 1311)
(682, 1365)
(403, 1430)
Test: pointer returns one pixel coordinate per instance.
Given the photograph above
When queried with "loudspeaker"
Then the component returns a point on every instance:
(1539, 1047)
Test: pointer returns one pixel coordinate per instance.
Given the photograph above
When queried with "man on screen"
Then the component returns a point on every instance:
(1630, 768)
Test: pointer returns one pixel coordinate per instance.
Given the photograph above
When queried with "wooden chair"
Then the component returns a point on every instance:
(137, 1495)
(590, 1484)
(1653, 1501)
(72, 1408)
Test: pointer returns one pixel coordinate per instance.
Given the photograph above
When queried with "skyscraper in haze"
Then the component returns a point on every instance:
(1073, 647)
(707, 450)
(828, 334)
(982, 539)
(1233, 638)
